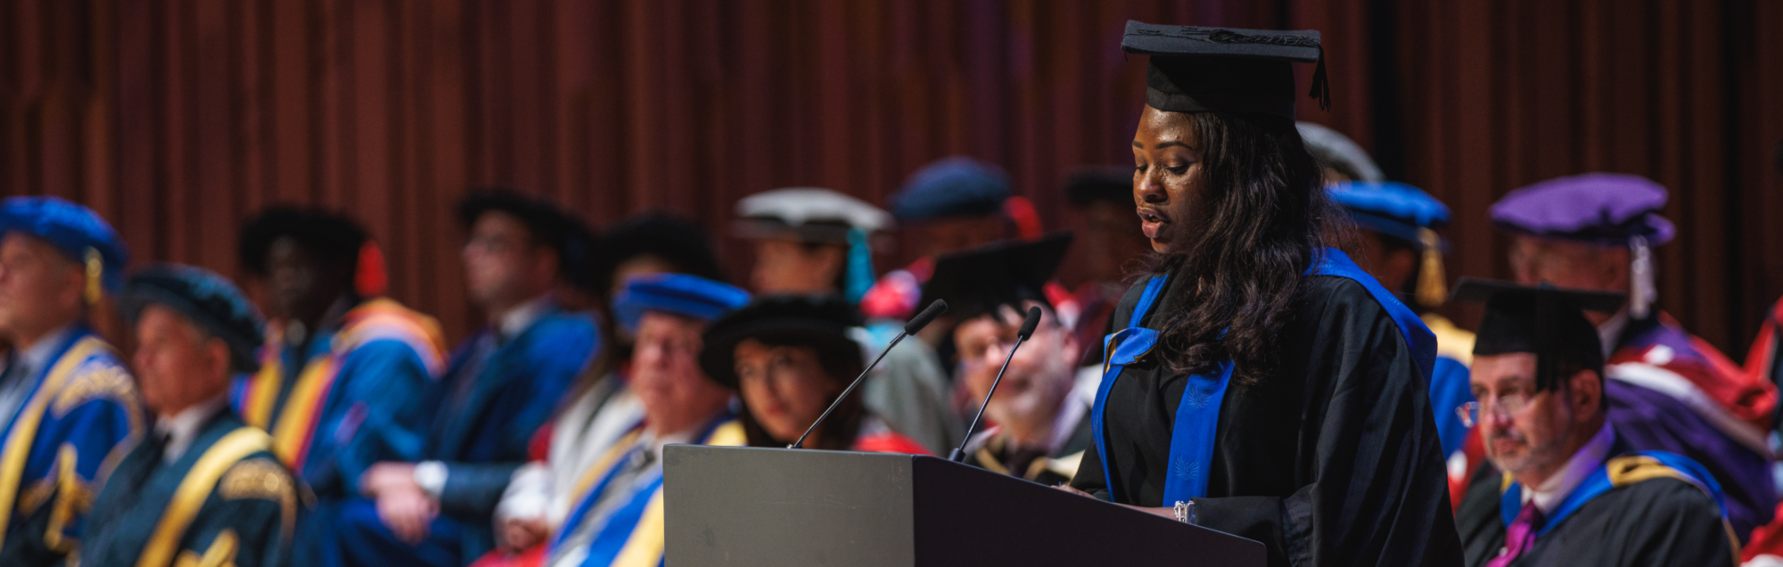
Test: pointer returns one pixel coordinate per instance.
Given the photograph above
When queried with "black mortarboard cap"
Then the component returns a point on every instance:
(334, 238)
(549, 225)
(821, 322)
(1546, 321)
(1197, 69)
(682, 243)
(978, 281)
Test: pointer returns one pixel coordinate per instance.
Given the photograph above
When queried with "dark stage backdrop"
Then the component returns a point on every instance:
(176, 119)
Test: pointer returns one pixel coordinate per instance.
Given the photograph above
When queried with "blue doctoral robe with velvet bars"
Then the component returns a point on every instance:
(352, 396)
(495, 395)
(80, 409)
(227, 500)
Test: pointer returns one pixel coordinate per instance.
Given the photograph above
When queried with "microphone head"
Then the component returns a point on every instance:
(1029, 323)
(928, 314)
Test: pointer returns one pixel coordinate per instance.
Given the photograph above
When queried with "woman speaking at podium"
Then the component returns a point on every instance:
(1259, 383)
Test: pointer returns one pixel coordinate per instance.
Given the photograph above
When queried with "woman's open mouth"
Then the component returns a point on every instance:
(1152, 222)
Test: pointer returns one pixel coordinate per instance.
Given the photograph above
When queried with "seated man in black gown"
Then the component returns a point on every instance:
(1561, 488)
(202, 487)
(1041, 406)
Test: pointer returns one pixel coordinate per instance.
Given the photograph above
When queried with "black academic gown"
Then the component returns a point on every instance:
(246, 513)
(1331, 460)
(1659, 522)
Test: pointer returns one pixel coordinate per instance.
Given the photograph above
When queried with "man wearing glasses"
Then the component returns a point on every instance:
(1562, 488)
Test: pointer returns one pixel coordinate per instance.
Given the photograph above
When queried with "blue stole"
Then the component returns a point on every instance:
(1198, 413)
(610, 539)
(1614, 473)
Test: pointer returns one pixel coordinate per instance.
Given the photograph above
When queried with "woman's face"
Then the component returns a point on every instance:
(1166, 169)
(784, 387)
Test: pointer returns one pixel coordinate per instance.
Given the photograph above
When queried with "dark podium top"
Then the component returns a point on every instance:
(757, 506)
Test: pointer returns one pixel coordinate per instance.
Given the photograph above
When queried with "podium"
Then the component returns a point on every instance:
(758, 506)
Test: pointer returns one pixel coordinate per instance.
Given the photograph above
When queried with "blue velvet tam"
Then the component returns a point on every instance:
(1392, 209)
(676, 294)
(952, 187)
(206, 299)
(75, 230)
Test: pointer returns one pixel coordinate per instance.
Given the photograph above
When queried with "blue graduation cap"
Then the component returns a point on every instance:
(678, 294)
(206, 299)
(1404, 213)
(952, 187)
(1392, 209)
(76, 231)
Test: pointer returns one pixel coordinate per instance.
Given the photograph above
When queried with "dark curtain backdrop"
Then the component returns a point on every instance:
(176, 119)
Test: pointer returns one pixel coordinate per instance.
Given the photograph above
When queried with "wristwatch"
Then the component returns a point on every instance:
(1185, 511)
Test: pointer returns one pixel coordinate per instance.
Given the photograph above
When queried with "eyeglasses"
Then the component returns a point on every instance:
(1505, 405)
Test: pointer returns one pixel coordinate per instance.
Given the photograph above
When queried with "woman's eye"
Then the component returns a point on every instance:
(1179, 169)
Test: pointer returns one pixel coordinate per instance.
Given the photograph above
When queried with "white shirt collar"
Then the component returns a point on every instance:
(516, 320)
(654, 443)
(1581, 465)
(182, 427)
(1610, 332)
(36, 357)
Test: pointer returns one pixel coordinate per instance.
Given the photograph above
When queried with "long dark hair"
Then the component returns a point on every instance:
(1259, 218)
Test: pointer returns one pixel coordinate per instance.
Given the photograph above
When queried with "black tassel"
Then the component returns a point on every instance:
(1321, 83)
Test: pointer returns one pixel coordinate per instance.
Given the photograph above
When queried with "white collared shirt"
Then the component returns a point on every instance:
(182, 427)
(1610, 332)
(1581, 465)
(516, 320)
(26, 364)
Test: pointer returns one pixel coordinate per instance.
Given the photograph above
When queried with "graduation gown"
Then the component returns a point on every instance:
(1332, 459)
(1650, 513)
(990, 450)
(994, 453)
(494, 397)
(225, 500)
(353, 396)
(81, 408)
(617, 519)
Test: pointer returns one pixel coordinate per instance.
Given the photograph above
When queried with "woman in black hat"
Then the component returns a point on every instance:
(788, 357)
(1258, 382)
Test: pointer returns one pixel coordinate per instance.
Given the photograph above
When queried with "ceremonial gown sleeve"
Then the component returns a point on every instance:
(544, 372)
(249, 518)
(387, 420)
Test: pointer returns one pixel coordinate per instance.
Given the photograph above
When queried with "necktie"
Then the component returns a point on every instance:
(1520, 536)
(12, 387)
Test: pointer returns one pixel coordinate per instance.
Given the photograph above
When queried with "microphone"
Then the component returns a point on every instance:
(1029, 323)
(928, 314)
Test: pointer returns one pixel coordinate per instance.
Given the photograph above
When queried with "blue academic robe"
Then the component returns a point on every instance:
(81, 408)
(226, 500)
(352, 396)
(494, 396)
